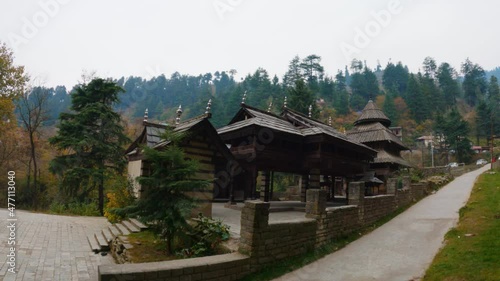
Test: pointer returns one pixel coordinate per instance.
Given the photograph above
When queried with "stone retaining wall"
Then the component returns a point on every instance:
(226, 267)
(263, 243)
(266, 243)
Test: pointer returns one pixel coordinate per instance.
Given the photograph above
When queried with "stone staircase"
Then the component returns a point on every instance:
(101, 241)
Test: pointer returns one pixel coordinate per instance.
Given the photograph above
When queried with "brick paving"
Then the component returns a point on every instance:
(51, 247)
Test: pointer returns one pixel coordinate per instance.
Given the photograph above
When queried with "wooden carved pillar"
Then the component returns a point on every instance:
(314, 179)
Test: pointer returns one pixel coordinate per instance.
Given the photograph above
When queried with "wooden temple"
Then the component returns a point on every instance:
(202, 143)
(292, 143)
(372, 129)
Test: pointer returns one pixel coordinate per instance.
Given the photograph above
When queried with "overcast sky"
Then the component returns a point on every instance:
(58, 40)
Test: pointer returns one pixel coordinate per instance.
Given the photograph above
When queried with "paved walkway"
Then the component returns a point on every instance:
(232, 217)
(51, 247)
(401, 249)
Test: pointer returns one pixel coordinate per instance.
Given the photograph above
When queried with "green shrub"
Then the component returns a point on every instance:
(74, 208)
(121, 196)
(57, 208)
(206, 237)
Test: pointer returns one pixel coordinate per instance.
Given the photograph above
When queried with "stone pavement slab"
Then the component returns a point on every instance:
(51, 247)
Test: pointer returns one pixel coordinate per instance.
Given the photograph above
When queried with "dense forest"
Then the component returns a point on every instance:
(411, 100)
(459, 106)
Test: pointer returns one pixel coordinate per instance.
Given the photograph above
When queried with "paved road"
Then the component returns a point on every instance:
(51, 247)
(401, 249)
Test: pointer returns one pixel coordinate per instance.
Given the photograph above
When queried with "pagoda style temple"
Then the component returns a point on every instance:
(372, 129)
(293, 143)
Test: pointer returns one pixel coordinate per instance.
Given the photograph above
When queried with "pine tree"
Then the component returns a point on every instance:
(301, 98)
(474, 83)
(341, 100)
(389, 109)
(448, 84)
(90, 139)
(455, 131)
(165, 203)
(416, 100)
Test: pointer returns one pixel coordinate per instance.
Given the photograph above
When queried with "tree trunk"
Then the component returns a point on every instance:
(169, 244)
(35, 168)
(101, 194)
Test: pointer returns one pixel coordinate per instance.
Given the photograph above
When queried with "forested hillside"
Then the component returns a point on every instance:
(412, 100)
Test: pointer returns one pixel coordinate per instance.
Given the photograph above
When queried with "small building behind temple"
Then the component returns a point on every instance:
(201, 143)
(372, 129)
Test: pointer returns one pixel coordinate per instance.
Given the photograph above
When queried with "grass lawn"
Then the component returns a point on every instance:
(472, 250)
(147, 248)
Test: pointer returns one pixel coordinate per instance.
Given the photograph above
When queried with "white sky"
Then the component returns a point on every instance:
(146, 38)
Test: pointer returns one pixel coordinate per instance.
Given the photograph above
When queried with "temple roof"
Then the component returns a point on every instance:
(290, 122)
(386, 157)
(371, 114)
(152, 132)
(374, 132)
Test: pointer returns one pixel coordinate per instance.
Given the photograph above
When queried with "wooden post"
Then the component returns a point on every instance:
(231, 192)
(271, 187)
(265, 184)
(304, 187)
(314, 179)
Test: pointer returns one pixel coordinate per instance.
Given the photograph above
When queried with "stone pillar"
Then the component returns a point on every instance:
(356, 193)
(316, 202)
(264, 186)
(406, 182)
(391, 186)
(254, 219)
(304, 187)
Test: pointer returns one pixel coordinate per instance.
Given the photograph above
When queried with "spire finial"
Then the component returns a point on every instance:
(179, 113)
(330, 121)
(146, 115)
(244, 98)
(209, 107)
(284, 103)
(310, 111)
(270, 106)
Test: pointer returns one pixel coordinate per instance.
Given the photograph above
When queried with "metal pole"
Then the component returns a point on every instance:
(432, 151)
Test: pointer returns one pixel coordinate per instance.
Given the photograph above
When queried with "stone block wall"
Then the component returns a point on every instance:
(429, 171)
(418, 190)
(266, 243)
(336, 222)
(226, 267)
(376, 207)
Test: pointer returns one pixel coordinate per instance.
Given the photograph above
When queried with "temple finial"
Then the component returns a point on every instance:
(330, 121)
(310, 111)
(179, 113)
(284, 103)
(244, 98)
(270, 106)
(146, 115)
(209, 107)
